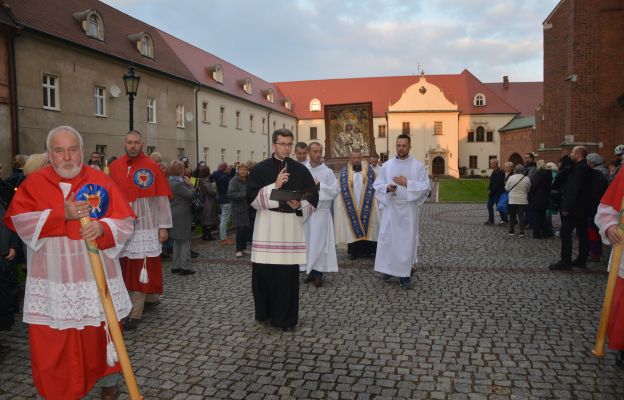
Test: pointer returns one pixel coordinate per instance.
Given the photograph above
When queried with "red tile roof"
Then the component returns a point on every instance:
(459, 89)
(198, 61)
(55, 18)
(525, 96)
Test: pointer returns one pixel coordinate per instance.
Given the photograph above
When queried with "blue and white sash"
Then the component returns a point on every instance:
(359, 215)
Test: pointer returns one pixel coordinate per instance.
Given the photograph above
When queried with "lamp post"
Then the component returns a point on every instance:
(131, 83)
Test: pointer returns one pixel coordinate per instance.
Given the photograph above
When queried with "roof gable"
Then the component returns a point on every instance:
(458, 89)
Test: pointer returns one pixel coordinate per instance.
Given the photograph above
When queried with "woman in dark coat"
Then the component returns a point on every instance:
(539, 201)
(237, 193)
(182, 218)
(210, 213)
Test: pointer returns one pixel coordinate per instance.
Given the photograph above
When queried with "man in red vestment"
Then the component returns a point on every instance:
(607, 221)
(148, 192)
(69, 349)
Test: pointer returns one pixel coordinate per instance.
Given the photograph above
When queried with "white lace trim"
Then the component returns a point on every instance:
(142, 243)
(71, 305)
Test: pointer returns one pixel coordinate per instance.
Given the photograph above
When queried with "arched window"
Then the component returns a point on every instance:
(480, 134)
(91, 22)
(94, 26)
(315, 105)
(146, 46)
(268, 94)
(479, 100)
(217, 73)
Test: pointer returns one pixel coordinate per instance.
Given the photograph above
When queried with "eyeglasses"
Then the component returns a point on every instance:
(284, 144)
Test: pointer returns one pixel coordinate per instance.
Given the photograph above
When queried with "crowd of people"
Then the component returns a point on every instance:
(289, 215)
(528, 195)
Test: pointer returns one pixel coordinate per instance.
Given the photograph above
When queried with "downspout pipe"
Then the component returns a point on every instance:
(197, 89)
(15, 145)
(270, 134)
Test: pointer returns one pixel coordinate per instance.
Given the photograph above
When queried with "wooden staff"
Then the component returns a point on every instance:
(106, 168)
(111, 316)
(614, 269)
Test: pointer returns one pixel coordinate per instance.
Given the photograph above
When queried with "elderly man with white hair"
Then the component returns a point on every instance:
(70, 347)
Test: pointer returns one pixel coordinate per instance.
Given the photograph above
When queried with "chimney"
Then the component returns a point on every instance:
(506, 82)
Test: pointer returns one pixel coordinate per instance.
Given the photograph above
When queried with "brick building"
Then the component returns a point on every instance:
(583, 79)
(516, 139)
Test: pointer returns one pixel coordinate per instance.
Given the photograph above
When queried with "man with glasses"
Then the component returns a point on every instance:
(278, 245)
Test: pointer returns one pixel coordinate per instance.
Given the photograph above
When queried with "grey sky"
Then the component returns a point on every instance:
(287, 40)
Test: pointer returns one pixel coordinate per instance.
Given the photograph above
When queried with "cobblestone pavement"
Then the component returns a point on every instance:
(486, 320)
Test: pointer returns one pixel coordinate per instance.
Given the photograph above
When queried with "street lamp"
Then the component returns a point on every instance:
(131, 82)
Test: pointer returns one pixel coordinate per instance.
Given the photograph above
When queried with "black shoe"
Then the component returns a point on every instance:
(288, 329)
(187, 272)
(386, 277)
(308, 279)
(560, 266)
(130, 324)
(488, 223)
(194, 254)
(176, 270)
(619, 359)
(578, 264)
(406, 284)
(317, 281)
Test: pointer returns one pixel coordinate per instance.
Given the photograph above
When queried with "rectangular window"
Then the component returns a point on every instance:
(406, 128)
(150, 149)
(238, 155)
(180, 151)
(382, 131)
(471, 136)
(222, 116)
(489, 136)
(490, 158)
(472, 162)
(151, 110)
(437, 128)
(206, 153)
(313, 133)
(237, 122)
(264, 124)
(264, 156)
(284, 125)
(50, 92)
(101, 148)
(180, 116)
(204, 111)
(251, 155)
(222, 155)
(252, 128)
(100, 96)
(274, 125)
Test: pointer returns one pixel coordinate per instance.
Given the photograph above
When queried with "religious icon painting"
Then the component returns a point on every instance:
(143, 178)
(97, 198)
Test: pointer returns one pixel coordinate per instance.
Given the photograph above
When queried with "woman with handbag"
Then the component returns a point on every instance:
(518, 187)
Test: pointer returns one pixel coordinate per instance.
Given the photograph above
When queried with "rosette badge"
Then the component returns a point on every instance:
(97, 198)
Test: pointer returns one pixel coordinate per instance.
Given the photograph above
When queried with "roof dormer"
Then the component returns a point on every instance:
(287, 103)
(315, 105)
(479, 100)
(268, 95)
(245, 84)
(144, 44)
(92, 23)
(216, 72)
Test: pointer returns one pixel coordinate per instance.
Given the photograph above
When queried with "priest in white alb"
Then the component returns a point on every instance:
(401, 189)
(319, 228)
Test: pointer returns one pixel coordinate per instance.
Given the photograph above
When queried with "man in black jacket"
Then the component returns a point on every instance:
(495, 189)
(575, 208)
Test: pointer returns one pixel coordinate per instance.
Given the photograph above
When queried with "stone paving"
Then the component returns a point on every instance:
(486, 320)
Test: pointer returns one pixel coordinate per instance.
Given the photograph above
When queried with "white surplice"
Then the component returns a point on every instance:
(319, 228)
(398, 234)
(153, 213)
(342, 226)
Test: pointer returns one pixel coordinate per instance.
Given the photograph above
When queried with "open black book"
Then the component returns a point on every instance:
(285, 195)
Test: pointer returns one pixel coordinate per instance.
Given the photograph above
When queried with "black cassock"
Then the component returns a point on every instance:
(276, 286)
